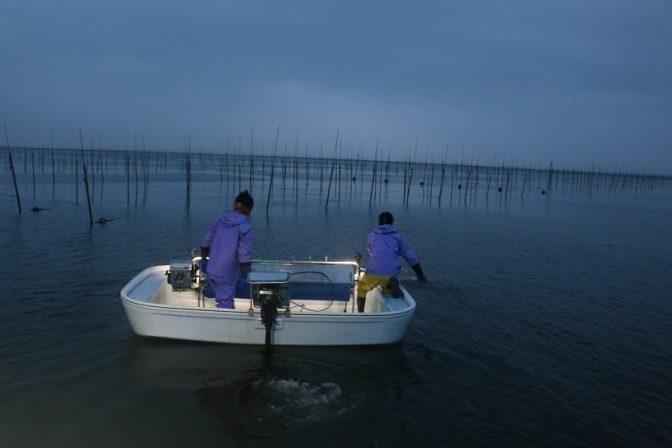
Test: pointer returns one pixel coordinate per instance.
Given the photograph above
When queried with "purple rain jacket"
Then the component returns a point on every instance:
(230, 240)
(385, 247)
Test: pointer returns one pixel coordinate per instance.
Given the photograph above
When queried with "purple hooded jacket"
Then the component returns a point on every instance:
(230, 240)
(385, 247)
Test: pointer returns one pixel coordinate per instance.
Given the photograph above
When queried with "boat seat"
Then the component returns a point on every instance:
(339, 292)
(320, 291)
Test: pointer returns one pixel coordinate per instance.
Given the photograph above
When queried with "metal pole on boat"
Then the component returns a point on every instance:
(358, 259)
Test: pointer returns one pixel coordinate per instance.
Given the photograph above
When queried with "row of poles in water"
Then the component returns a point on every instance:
(435, 180)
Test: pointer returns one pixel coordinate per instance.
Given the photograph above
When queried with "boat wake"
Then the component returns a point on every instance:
(288, 401)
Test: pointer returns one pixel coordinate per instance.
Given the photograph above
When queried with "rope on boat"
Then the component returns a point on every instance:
(269, 307)
(333, 291)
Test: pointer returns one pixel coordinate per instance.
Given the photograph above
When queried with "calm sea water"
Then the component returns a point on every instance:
(546, 322)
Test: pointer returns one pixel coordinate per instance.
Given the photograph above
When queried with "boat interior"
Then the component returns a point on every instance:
(297, 286)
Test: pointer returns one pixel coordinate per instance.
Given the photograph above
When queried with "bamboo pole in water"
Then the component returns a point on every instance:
(307, 169)
(128, 181)
(85, 178)
(88, 198)
(135, 172)
(333, 164)
(76, 181)
(11, 168)
(443, 174)
(373, 175)
(466, 187)
(431, 183)
(339, 175)
(53, 175)
(32, 161)
(16, 187)
(296, 181)
(410, 182)
(188, 179)
(251, 159)
(331, 175)
(321, 162)
(403, 190)
(270, 182)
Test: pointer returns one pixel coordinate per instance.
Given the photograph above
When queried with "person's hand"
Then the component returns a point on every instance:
(245, 269)
(418, 272)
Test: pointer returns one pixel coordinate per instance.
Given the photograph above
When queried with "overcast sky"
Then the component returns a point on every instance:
(576, 82)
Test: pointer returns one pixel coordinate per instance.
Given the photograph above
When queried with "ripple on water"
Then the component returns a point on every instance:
(290, 401)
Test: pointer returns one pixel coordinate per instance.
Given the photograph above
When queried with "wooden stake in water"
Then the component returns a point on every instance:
(32, 161)
(270, 182)
(11, 168)
(373, 175)
(410, 182)
(443, 174)
(252, 159)
(128, 181)
(76, 180)
(333, 165)
(88, 198)
(16, 188)
(188, 179)
(53, 175)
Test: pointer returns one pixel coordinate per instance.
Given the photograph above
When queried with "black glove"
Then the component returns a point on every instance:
(203, 265)
(418, 271)
(245, 269)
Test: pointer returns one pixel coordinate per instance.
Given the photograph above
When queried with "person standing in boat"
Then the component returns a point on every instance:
(385, 245)
(227, 249)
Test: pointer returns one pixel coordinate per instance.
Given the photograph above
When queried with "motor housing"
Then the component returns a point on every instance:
(269, 287)
(180, 275)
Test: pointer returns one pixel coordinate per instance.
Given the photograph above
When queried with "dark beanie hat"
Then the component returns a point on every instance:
(245, 198)
(385, 218)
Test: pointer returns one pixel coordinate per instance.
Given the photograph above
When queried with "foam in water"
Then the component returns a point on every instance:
(294, 401)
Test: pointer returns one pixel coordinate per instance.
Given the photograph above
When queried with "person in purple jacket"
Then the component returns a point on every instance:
(227, 249)
(385, 246)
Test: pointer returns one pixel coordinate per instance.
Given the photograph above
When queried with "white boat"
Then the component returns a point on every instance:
(308, 303)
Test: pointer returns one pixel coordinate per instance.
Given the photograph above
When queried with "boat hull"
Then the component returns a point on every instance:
(240, 326)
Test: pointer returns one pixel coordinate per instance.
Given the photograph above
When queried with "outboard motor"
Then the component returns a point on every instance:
(269, 311)
(179, 275)
(182, 274)
(269, 291)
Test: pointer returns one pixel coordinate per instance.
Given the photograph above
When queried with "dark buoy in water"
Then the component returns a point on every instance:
(499, 189)
(103, 220)
(354, 179)
(36, 209)
(385, 181)
(543, 192)
(459, 186)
